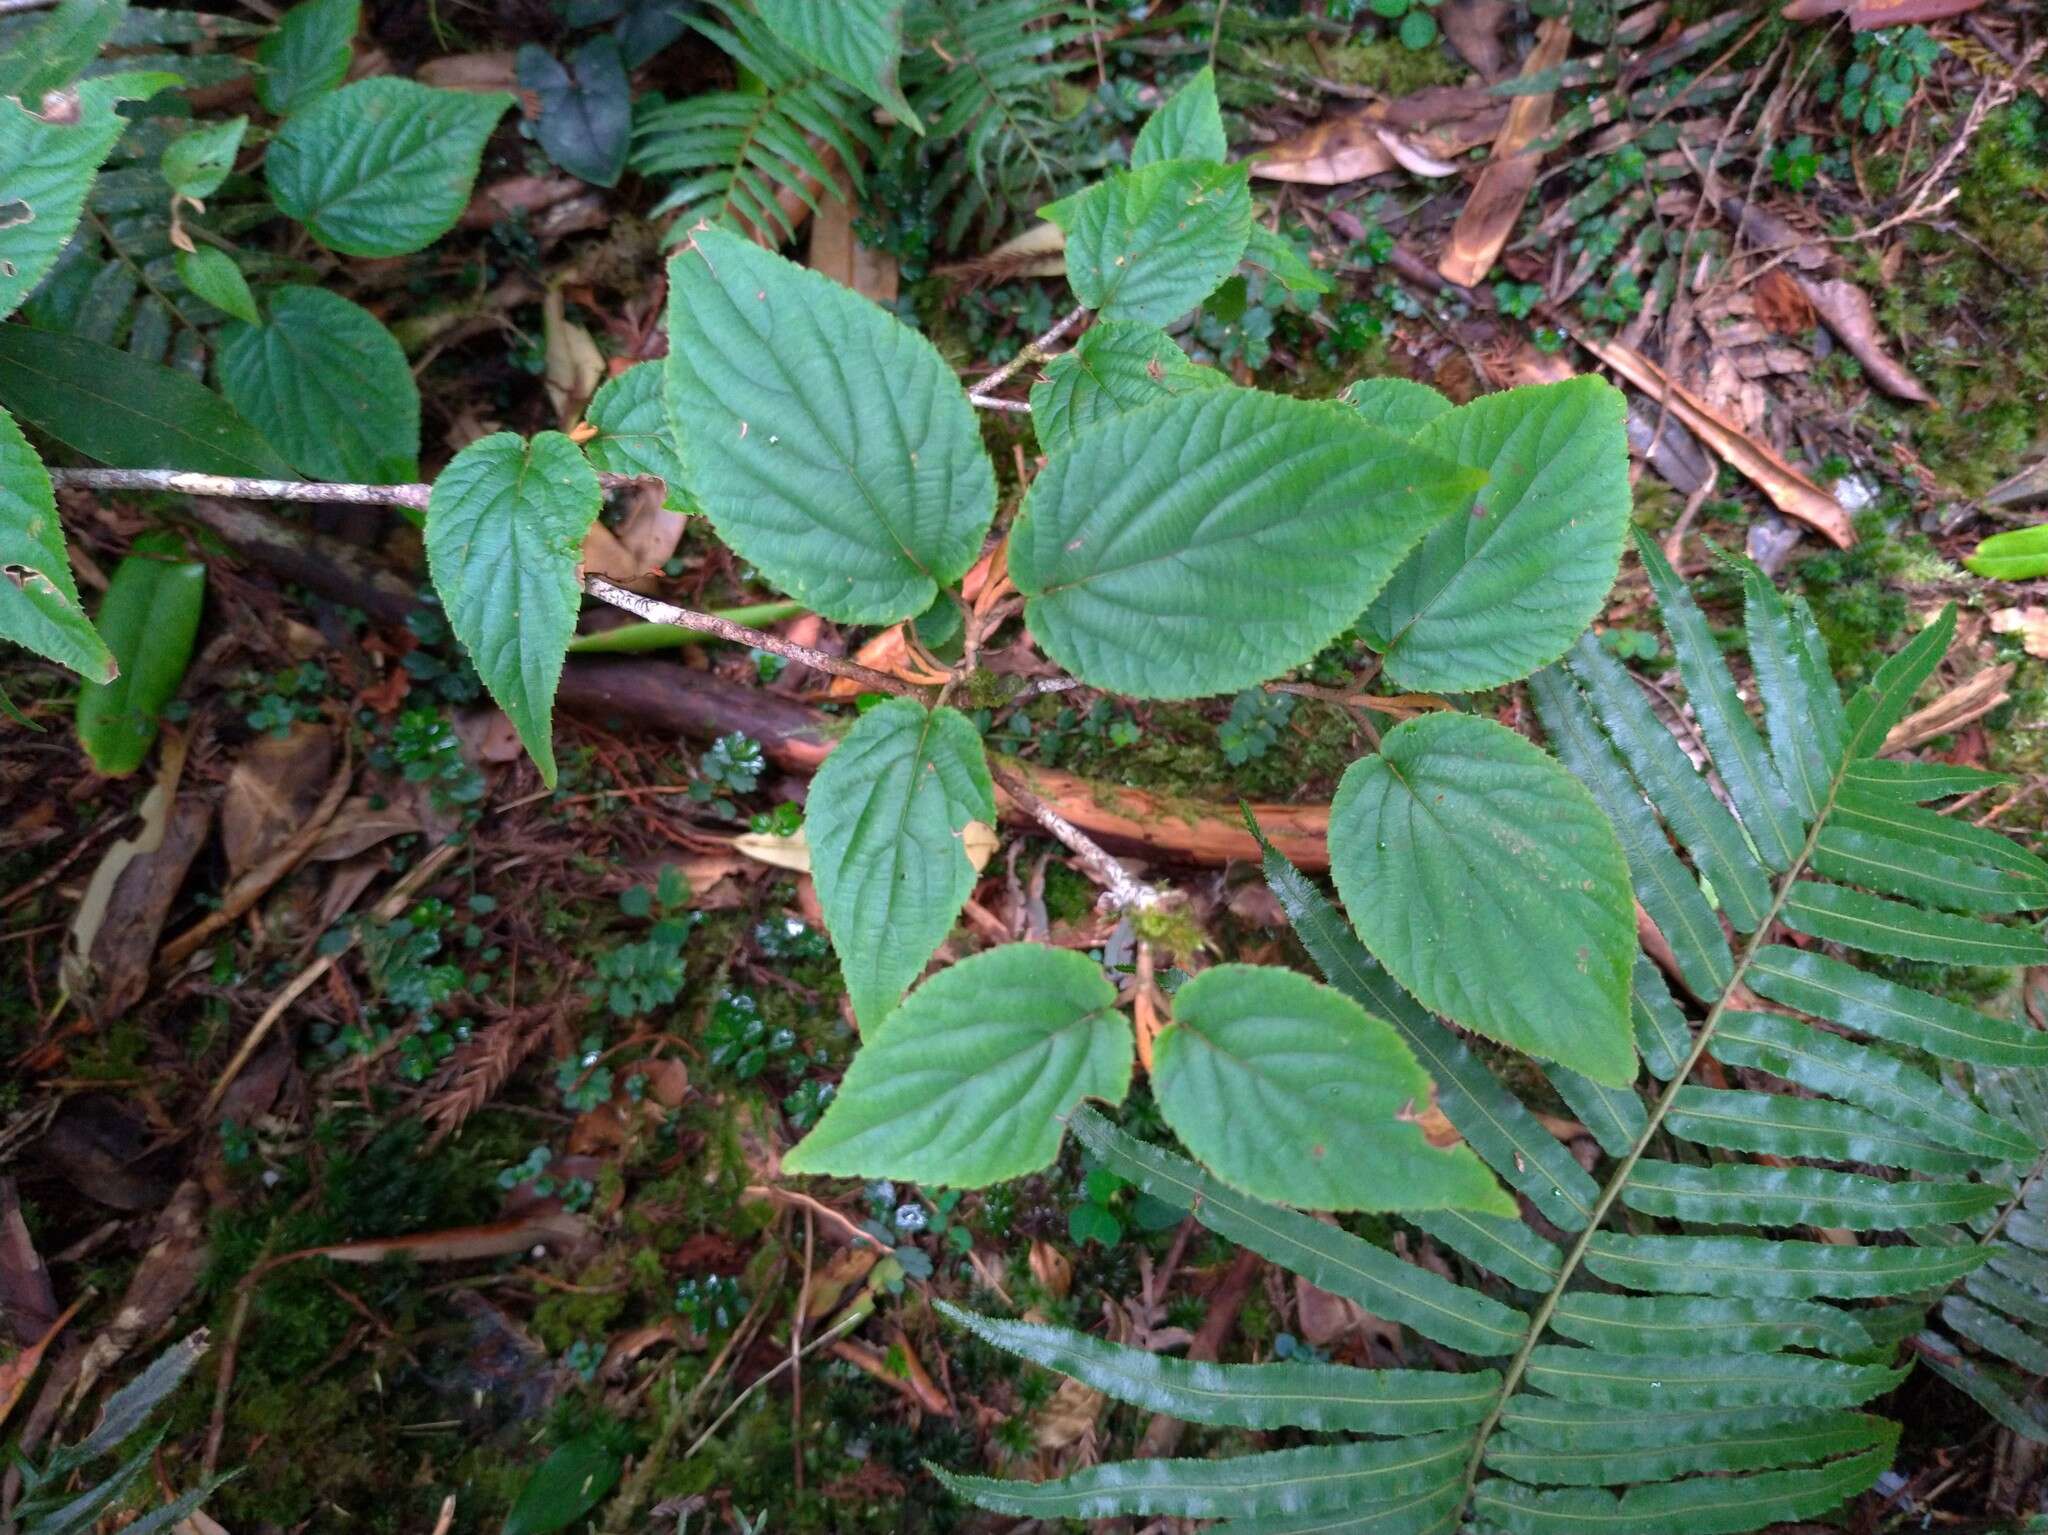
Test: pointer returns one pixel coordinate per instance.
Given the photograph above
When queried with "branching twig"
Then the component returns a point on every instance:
(982, 394)
(1127, 892)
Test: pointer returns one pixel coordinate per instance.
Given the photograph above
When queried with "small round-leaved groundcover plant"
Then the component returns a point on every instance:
(1188, 537)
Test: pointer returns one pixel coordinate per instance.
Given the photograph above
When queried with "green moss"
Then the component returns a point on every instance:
(1383, 64)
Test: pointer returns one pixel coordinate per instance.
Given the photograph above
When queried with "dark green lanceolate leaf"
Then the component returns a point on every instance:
(829, 442)
(1281, 259)
(49, 54)
(1703, 828)
(1883, 701)
(1746, 770)
(2004, 1395)
(1781, 1125)
(1903, 1094)
(198, 160)
(505, 526)
(1802, 711)
(1662, 1033)
(1710, 1441)
(1668, 892)
(564, 1487)
(633, 431)
(2020, 555)
(307, 56)
(1333, 1398)
(1888, 845)
(1761, 1266)
(113, 406)
(1615, 1115)
(1313, 1479)
(1879, 926)
(1294, 1093)
(885, 820)
(1721, 1507)
(1856, 999)
(1396, 405)
(1150, 244)
(382, 167)
(1209, 542)
(856, 40)
(1490, 596)
(1335, 1260)
(1189, 126)
(1744, 1194)
(1996, 1334)
(1918, 782)
(1723, 1378)
(1116, 367)
(1699, 1324)
(1494, 1122)
(50, 163)
(1504, 1247)
(39, 606)
(148, 619)
(1459, 826)
(213, 276)
(969, 1081)
(586, 107)
(326, 383)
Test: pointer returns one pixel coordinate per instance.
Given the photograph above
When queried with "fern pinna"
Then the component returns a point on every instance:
(1674, 1346)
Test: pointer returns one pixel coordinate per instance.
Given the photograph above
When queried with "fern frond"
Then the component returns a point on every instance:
(752, 158)
(1700, 1370)
(984, 80)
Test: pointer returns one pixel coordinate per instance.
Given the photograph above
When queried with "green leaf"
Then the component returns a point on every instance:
(586, 107)
(1615, 1115)
(633, 431)
(1662, 1034)
(1116, 367)
(1703, 827)
(885, 820)
(1494, 1122)
(1744, 1194)
(1188, 126)
(1883, 701)
(1724, 1506)
(382, 167)
(308, 55)
(1668, 892)
(1395, 405)
(505, 527)
(564, 1487)
(1722, 1378)
(1779, 1124)
(1995, 1334)
(1325, 1256)
(858, 41)
(1150, 244)
(830, 443)
(50, 163)
(970, 1080)
(1279, 257)
(1209, 542)
(1460, 828)
(1918, 782)
(1507, 1248)
(1767, 1267)
(2020, 555)
(213, 276)
(1880, 841)
(1878, 926)
(1802, 711)
(1999, 1392)
(1492, 595)
(329, 385)
(113, 406)
(49, 55)
(1856, 999)
(1746, 770)
(1697, 1324)
(1311, 1479)
(1294, 1093)
(1740, 1439)
(39, 606)
(198, 160)
(1333, 1398)
(148, 619)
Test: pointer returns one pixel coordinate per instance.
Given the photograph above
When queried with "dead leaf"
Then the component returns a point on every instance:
(791, 852)
(1324, 1318)
(547, 1225)
(1436, 1125)
(488, 736)
(360, 825)
(1473, 28)
(837, 254)
(832, 1280)
(632, 550)
(28, 1301)
(497, 71)
(1438, 124)
(1069, 1417)
(16, 1373)
(1846, 309)
(164, 1280)
(1051, 1268)
(1790, 491)
(1040, 251)
(978, 840)
(1780, 305)
(574, 365)
(1866, 15)
(1496, 203)
(273, 788)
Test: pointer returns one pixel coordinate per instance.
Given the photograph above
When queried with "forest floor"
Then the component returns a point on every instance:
(525, 1061)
